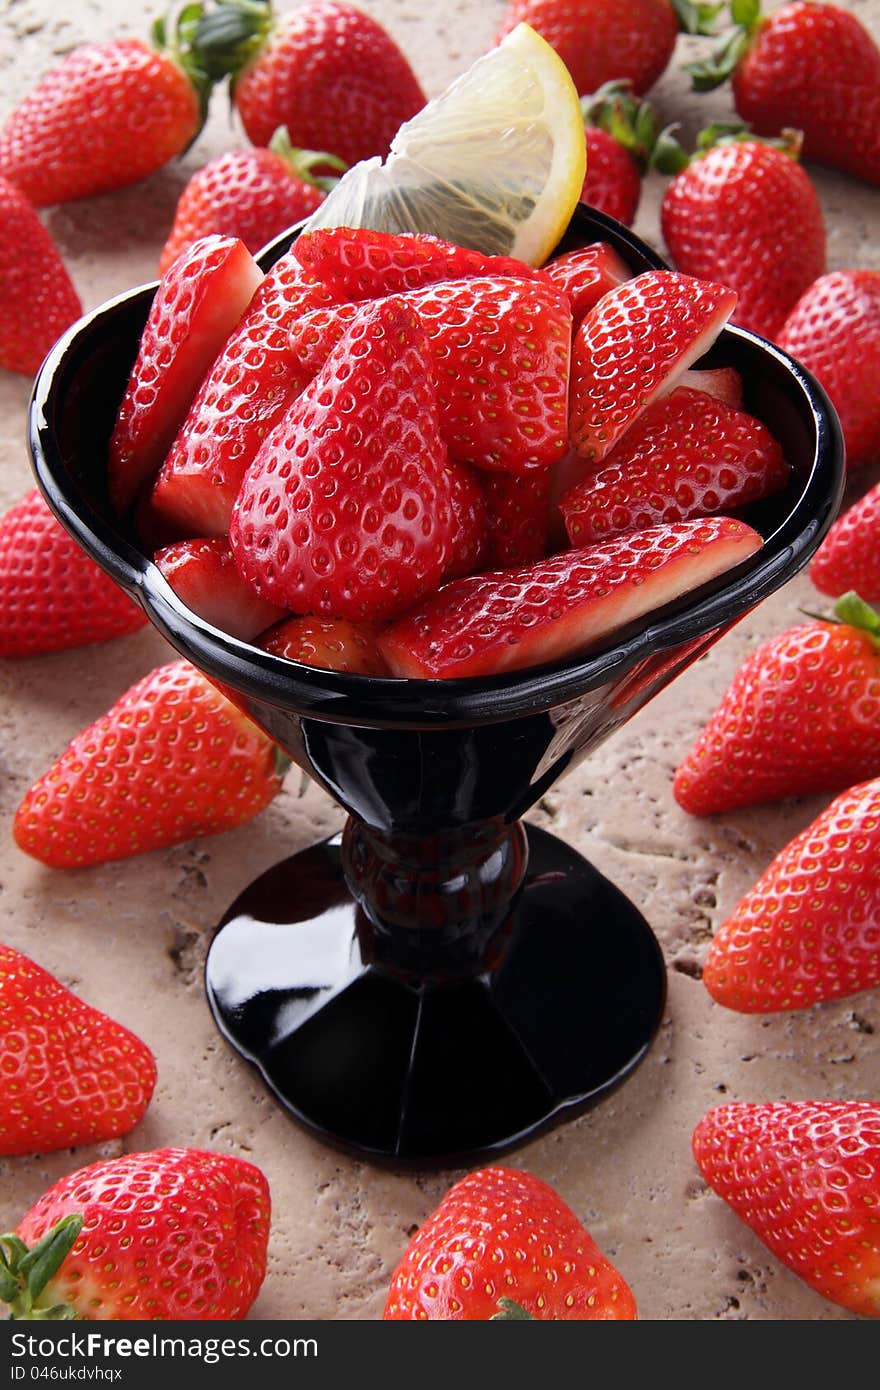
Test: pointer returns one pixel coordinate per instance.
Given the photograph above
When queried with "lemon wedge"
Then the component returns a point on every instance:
(496, 163)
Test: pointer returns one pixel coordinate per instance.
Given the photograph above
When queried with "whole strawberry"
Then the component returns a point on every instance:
(745, 214)
(808, 65)
(52, 594)
(170, 1235)
(171, 760)
(37, 295)
(327, 71)
(250, 194)
(107, 115)
(810, 928)
(503, 1245)
(624, 141)
(849, 557)
(70, 1074)
(805, 1176)
(834, 329)
(599, 40)
(799, 717)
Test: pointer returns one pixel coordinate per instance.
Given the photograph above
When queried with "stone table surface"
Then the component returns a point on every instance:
(131, 937)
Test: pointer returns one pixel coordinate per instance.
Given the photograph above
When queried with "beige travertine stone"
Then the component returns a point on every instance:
(131, 936)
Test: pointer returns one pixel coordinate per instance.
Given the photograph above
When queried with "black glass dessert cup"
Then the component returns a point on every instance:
(439, 982)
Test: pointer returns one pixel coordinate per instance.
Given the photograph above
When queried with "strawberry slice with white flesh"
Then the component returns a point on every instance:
(723, 383)
(634, 346)
(563, 606)
(204, 576)
(200, 299)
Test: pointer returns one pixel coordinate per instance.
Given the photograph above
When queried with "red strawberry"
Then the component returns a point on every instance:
(624, 141)
(37, 294)
(170, 1235)
(52, 595)
(599, 40)
(563, 606)
(834, 329)
(822, 678)
(469, 522)
(724, 383)
(331, 643)
(501, 351)
(203, 574)
(359, 264)
(171, 760)
(849, 557)
(198, 303)
(327, 71)
(635, 345)
(810, 928)
(585, 275)
(503, 1245)
(70, 1074)
(687, 455)
(345, 512)
(105, 116)
(745, 214)
(805, 1176)
(250, 194)
(613, 183)
(518, 519)
(243, 395)
(811, 66)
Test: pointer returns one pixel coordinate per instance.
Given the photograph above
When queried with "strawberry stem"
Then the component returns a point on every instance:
(25, 1273)
(731, 48)
(231, 36)
(615, 109)
(852, 610)
(303, 163)
(511, 1312)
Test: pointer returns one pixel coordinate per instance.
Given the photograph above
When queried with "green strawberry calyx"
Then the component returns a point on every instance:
(304, 164)
(511, 1312)
(736, 132)
(633, 123)
(731, 48)
(24, 1273)
(231, 35)
(174, 36)
(696, 18)
(852, 610)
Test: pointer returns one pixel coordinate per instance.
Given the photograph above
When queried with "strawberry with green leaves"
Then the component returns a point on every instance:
(52, 594)
(71, 1075)
(799, 717)
(805, 1176)
(849, 556)
(169, 1235)
(809, 930)
(743, 212)
(327, 71)
(624, 142)
(563, 606)
(503, 1246)
(172, 759)
(37, 294)
(107, 115)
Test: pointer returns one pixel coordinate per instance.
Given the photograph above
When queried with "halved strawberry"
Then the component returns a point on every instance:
(634, 346)
(518, 516)
(361, 264)
(199, 301)
(331, 643)
(500, 349)
(511, 619)
(346, 511)
(252, 380)
(724, 383)
(469, 522)
(204, 575)
(687, 455)
(585, 275)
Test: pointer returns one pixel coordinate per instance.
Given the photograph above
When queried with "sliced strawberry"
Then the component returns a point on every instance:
(360, 264)
(331, 643)
(199, 301)
(203, 574)
(634, 346)
(585, 275)
(501, 351)
(346, 511)
(469, 523)
(560, 607)
(518, 517)
(686, 456)
(241, 398)
(724, 383)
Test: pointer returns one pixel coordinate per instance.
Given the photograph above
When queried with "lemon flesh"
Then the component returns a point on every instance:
(496, 163)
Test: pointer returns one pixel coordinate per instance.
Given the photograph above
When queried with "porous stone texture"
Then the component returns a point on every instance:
(131, 937)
